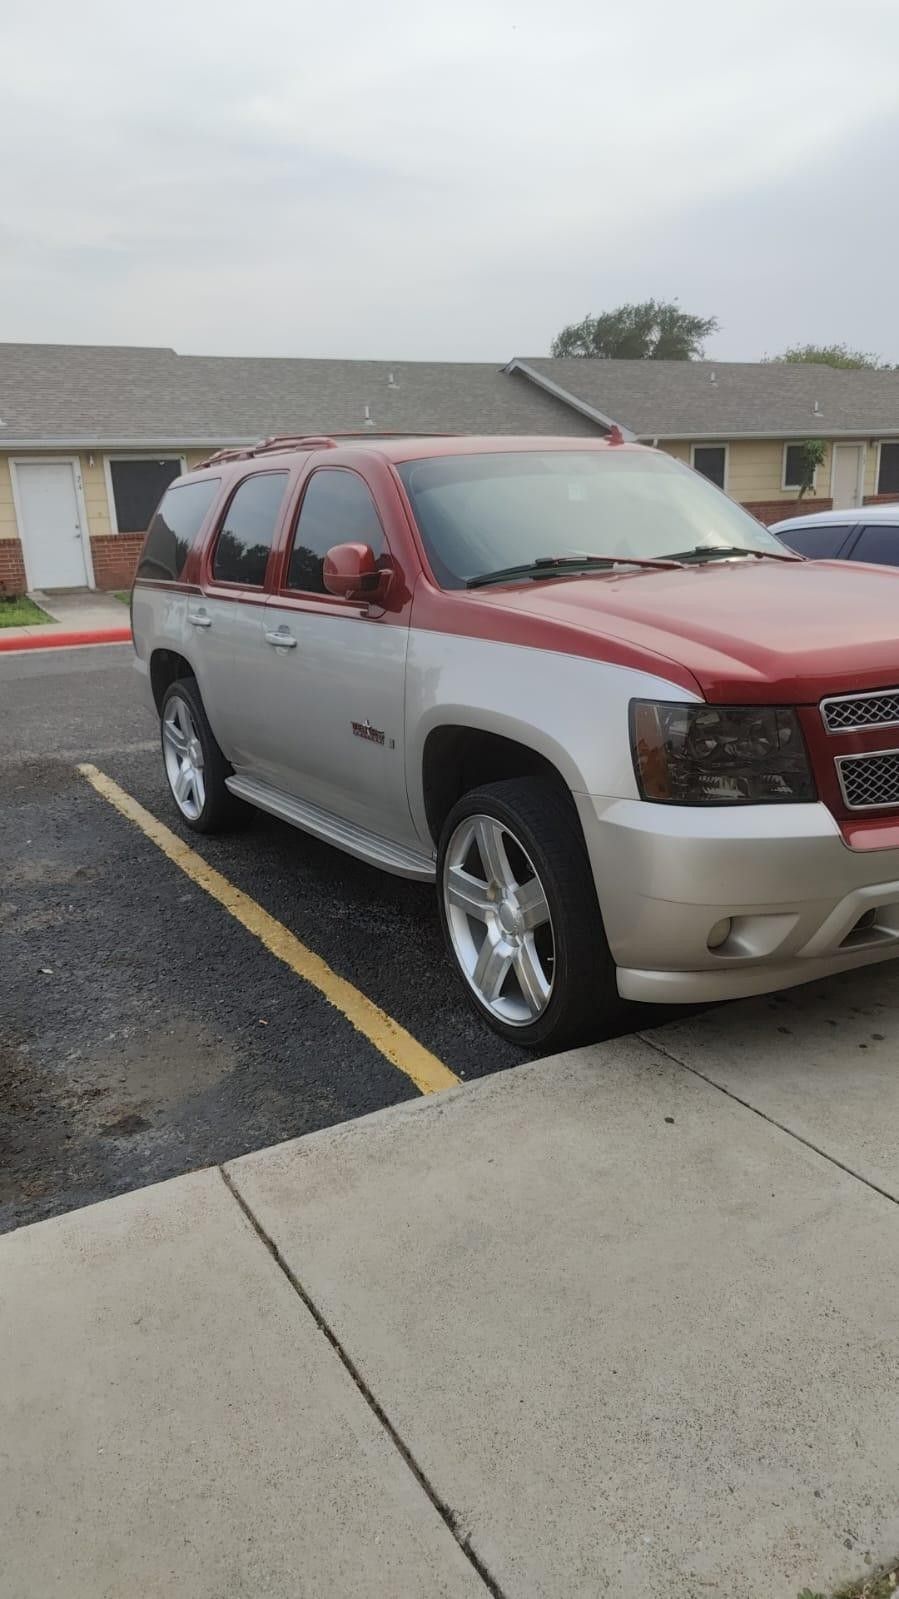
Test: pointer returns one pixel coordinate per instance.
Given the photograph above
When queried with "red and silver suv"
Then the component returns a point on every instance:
(643, 750)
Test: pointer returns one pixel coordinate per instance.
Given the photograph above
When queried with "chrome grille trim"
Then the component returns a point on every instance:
(858, 713)
(869, 782)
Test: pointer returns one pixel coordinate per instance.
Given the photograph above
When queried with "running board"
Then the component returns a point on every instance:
(335, 830)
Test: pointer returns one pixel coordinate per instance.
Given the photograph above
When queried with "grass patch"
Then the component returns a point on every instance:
(877, 1585)
(122, 594)
(19, 611)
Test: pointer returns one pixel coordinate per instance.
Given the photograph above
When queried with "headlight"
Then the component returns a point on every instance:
(719, 754)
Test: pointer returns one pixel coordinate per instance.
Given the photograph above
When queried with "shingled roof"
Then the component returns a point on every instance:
(113, 395)
(723, 399)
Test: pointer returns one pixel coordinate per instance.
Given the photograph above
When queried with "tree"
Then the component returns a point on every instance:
(811, 454)
(655, 330)
(838, 355)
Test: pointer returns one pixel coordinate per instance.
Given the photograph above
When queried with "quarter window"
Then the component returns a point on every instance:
(888, 475)
(241, 554)
(174, 529)
(879, 544)
(711, 461)
(337, 508)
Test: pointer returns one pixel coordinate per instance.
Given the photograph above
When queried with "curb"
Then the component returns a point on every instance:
(39, 641)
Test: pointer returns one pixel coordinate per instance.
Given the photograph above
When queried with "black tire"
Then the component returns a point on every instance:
(540, 815)
(221, 809)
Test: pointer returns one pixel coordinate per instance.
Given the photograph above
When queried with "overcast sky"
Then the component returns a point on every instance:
(411, 180)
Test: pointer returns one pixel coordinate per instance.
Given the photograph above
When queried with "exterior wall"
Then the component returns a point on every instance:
(755, 471)
(12, 566)
(114, 555)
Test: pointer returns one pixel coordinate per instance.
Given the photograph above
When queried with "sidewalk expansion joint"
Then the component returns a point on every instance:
(444, 1511)
(771, 1120)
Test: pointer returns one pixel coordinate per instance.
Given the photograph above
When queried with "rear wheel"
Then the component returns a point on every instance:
(195, 767)
(521, 918)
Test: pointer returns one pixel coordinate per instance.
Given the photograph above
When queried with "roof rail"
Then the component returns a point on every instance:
(303, 441)
(294, 441)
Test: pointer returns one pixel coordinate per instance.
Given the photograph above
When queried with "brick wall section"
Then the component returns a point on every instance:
(115, 558)
(769, 511)
(12, 567)
(881, 499)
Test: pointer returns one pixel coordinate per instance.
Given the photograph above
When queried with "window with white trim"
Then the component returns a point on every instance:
(888, 468)
(794, 467)
(711, 461)
(137, 488)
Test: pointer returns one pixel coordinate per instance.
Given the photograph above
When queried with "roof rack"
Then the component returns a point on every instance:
(302, 441)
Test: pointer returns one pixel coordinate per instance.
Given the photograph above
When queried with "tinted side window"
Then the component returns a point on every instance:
(174, 528)
(337, 508)
(819, 543)
(879, 544)
(241, 554)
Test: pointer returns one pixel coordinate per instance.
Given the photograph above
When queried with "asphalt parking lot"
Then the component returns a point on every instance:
(144, 1032)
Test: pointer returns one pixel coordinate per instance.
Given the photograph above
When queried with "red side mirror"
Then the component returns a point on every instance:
(351, 572)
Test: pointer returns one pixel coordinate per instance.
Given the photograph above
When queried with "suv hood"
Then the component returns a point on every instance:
(776, 631)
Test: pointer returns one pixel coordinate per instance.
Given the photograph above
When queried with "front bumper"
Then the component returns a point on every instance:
(782, 874)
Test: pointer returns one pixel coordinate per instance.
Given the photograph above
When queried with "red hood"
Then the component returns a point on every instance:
(756, 631)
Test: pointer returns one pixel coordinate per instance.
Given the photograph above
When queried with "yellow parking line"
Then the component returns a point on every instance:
(400, 1048)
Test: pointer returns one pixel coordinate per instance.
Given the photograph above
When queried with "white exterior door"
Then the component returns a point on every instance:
(53, 539)
(846, 482)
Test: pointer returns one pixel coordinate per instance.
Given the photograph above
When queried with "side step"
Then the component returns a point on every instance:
(335, 830)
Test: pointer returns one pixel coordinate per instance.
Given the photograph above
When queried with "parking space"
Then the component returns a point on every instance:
(144, 1030)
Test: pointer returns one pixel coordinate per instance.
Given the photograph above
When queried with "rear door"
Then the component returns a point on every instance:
(227, 621)
(334, 674)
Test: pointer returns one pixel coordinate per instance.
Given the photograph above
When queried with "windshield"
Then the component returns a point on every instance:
(480, 513)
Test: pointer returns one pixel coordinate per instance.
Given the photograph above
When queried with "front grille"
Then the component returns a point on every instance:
(851, 712)
(869, 781)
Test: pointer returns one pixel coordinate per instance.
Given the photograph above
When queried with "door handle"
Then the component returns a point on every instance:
(281, 641)
(197, 620)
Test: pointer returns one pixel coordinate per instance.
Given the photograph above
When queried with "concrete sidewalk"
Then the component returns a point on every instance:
(590, 1326)
(79, 615)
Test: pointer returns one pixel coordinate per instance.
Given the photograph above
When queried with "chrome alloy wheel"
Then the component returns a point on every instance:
(183, 755)
(499, 920)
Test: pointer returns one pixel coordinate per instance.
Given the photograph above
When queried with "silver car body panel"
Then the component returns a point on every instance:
(303, 728)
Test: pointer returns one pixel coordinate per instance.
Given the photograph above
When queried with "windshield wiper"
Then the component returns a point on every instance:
(559, 565)
(720, 552)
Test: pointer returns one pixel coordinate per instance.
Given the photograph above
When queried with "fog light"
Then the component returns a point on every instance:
(720, 933)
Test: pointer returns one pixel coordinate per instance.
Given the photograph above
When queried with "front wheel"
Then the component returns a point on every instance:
(521, 918)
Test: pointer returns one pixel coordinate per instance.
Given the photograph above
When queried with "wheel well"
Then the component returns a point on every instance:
(166, 666)
(457, 759)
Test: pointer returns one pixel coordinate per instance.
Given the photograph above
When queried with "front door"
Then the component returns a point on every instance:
(331, 728)
(53, 538)
(848, 463)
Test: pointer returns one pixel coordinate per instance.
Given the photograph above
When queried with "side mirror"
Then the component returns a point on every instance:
(351, 572)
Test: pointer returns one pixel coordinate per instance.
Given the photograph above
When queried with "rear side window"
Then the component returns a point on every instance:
(241, 554)
(337, 508)
(174, 529)
(879, 544)
(818, 543)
